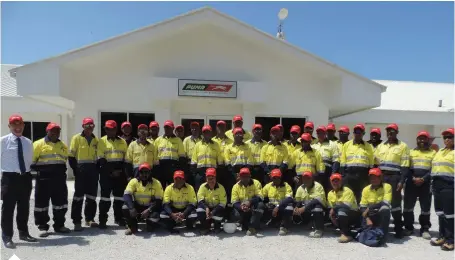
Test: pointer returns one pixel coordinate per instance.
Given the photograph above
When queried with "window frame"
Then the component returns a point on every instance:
(118, 111)
(31, 129)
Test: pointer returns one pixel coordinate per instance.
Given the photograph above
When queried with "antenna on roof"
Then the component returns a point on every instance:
(282, 14)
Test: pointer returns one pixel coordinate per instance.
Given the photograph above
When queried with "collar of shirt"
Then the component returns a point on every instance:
(378, 187)
(184, 186)
(146, 141)
(253, 141)
(296, 143)
(92, 135)
(214, 188)
(234, 144)
(389, 143)
(47, 139)
(207, 142)
(249, 183)
(281, 184)
(359, 142)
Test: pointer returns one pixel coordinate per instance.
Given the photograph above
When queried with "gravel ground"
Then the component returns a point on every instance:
(113, 244)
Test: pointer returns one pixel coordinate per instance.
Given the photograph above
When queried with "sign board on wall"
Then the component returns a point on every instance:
(207, 88)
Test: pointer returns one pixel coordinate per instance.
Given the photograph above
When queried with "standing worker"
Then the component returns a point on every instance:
(393, 160)
(140, 151)
(82, 159)
(256, 144)
(375, 137)
(292, 145)
(127, 130)
(154, 131)
(49, 161)
(111, 159)
(357, 158)
(309, 128)
(188, 145)
(17, 156)
(274, 155)
(442, 175)
(238, 123)
(180, 132)
(331, 130)
(343, 133)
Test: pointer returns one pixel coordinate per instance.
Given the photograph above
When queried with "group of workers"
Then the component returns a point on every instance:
(234, 176)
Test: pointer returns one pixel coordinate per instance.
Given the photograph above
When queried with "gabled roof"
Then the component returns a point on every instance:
(9, 87)
(206, 14)
(417, 96)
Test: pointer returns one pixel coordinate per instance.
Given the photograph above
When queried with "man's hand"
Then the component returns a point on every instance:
(369, 222)
(245, 207)
(208, 214)
(275, 212)
(133, 213)
(418, 181)
(180, 217)
(333, 217)
(299, 211)
(399, 187)
(145, 214)
(174, 216)
(365, 213)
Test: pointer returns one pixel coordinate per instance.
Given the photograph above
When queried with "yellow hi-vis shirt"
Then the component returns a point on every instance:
(274, 155)
(82, 150)
(345, 196)
(421, 159)
(256, 149)
(339, 146)
(212, 198)
(145, 195)
(357, 155)
(188, 145)
(309, 161)
(277, 194)
(242, 193)
(46, 152)
(180, 198)
(246, 136)
(238, 155)
(222, 142)
(138, 154)
(329, 152)
(169, 148)
(207, 154)
(372, 196)
(113, 150)
(391, 157)
(305, 195)
(292, 148)
(442, 165)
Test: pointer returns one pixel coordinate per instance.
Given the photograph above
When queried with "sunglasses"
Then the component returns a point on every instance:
(89, 125)
(447, 137)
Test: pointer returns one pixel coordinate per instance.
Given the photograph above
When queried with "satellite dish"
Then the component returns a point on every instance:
(283, 14)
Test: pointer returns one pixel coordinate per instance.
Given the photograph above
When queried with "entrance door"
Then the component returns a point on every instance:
(204, 120)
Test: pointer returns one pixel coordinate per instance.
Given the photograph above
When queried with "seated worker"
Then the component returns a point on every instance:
(375, 202)
(310, 204)
(344, 211)
(279, 202)
(211, 203)
(179, 204)
(143, 198)
(247, 202)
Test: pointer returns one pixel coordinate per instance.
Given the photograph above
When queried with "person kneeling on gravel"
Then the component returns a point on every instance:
(179, 204)
(310, 204)
(279, 202)
(143, 197)
(247, 202)
(211, 202)
(344, 211)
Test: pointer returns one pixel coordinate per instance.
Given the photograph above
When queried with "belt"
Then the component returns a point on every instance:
(15, 173)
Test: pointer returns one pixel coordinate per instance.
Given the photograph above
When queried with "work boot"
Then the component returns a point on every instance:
(78, 227)
(9, 243)
(447, 247)
(43, 233)
(437, 242)
(91, 223)
(316, 234)
(251, 232)
(27, 238)
(102, 226)
(344, 239)
(426, 235)
(407, 232)
(129, 232)
(63, 230)
(283, 231)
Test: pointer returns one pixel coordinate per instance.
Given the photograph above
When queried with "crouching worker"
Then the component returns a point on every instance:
(179, 204)
(375, 202)
(311, 204)
(279, 203)
(211, 203)
(247, 202)
(143, 198)
(344, 211)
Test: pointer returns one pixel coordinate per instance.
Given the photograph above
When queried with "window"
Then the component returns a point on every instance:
(35, 130)
(287, 122)
(134, 118)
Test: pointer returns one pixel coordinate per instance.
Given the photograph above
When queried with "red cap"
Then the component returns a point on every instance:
(145, 166)
(321, 128)
(154, 124)
(206, 128)
(423, 133)
(307, 174)
(237, 118)
(275, 129)
(275, 173)
(51, 126)
(257, 126)
(169, 123)
(179, 174)
(110, 124)
(87, 120)
(376, 130)
(359, 126)
(335, 176)
(331, 126)
(392, 126)
(375, 171)
(179, 126)
(141, 126)
(15, 118)
(244, 171)
(309, 124)
(306, 137)
(221, 122)
(126, 123)
(237, 130)
(344, 129)
(210, 172)
(448, 131)
(194, 123)
(295, 129)
(280, 126)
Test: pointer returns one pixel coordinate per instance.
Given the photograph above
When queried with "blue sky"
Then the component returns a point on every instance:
(379, 40)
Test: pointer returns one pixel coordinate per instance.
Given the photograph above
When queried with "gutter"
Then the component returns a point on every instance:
(350, 113)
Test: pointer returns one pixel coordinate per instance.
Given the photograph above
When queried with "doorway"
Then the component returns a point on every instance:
(204, 120)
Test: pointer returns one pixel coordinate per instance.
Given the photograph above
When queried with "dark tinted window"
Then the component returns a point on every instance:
(39, 130)
(186, 124)
(288, 122)
(28, 130)
(117, 117)
(139, 118)
(212, 123)
(267, 123)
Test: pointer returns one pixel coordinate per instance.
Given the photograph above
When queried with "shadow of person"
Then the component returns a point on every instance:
(57, 241)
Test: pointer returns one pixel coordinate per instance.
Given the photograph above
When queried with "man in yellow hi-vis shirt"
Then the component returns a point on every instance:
(82, 159)
(188, 145)
(237, 122)
(256, 144)
(111, 159)
(292, 145)
(393, 160)
(140, 151)
(274, 155)
(375, 137)
(49, 160)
